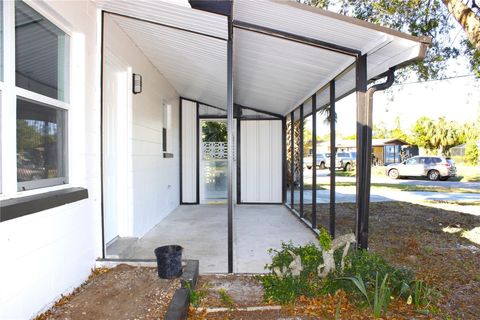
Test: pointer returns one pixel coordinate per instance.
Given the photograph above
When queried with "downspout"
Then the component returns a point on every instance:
(362, 238)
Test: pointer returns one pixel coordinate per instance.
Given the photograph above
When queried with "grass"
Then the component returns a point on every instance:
(467, 173)
(453, 202)
(407, 187)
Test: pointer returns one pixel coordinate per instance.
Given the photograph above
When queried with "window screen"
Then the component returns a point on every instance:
(41, 138)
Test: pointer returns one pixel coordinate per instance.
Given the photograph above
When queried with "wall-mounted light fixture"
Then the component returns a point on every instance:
(137, 83)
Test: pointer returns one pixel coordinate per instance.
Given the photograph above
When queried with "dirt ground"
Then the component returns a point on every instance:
(123, 292)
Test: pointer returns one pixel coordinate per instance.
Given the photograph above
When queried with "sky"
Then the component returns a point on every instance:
(456, 99)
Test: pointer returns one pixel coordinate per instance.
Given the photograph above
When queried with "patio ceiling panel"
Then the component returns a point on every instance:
(195, 65)
(169, 13)
(273, 74)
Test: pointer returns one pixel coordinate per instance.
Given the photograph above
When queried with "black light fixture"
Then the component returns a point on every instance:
(137, 83)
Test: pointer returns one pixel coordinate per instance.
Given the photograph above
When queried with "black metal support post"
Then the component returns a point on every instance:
(302, 213)
(198, 153)
(333, 151)
(230, 126)
(284, 159)
(364, 146)
(180, 147)
(239, 162)
(292, 160)
(102, 163)
(314, 161)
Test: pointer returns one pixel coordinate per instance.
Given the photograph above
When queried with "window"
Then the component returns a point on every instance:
(41, 54)
(1, 40)
(40, 145)
(34, 97)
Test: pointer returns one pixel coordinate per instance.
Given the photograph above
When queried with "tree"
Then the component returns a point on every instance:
(436, 136)
(432, 18)
(308, 139)
(443, 135)
(421, 134)
(397, 132)
(213, 131)
(471, 153)
(380, 131)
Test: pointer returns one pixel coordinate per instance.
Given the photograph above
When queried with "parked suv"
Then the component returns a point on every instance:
(345, 161)
(323, 160)
(434, 168)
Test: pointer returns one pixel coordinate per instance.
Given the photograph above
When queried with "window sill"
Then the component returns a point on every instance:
(22, 206)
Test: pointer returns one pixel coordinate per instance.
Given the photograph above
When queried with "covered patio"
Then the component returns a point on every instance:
(201, 231)
(261, 70)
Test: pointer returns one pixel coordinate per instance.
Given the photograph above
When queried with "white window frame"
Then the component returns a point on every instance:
(9, 187)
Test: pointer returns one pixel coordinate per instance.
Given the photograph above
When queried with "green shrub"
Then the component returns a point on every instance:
(226, 299)
(196, 296)
(287, 288)
(325, 239)
(369, 268)
(310, 254)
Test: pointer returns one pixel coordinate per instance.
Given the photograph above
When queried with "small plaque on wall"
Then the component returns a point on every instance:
(167, 155)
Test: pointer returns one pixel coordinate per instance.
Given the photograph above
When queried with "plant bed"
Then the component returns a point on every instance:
(123, 292)
(441, 246)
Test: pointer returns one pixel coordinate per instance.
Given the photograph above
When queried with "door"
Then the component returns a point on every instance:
(213, 160)
(116, 119)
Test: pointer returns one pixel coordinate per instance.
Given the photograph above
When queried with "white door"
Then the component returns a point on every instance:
(116, 128)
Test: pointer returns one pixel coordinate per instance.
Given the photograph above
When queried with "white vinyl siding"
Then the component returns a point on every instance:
(261, 161)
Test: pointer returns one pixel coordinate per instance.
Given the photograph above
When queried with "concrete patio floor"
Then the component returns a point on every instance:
(202, 231)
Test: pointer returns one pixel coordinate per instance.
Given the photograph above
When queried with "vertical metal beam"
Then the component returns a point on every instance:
(292, 161)
(239, 159)
(363, 154)
(198, 152)
(180, 146)
(230, 116)
(333, 150)
(102, 162)
(314, 161)
(284, 159)
(301, 161)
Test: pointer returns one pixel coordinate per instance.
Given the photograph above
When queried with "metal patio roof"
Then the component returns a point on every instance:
(271, 72)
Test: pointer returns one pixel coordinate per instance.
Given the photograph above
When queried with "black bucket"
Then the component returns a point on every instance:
(169, 261)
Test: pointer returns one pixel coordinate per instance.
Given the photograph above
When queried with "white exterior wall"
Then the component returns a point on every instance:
(46, 254)
(261, 161)
(153, 188)
(189, 151)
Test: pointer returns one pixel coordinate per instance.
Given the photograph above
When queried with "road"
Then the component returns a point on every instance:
(323, 177)
(347, 193)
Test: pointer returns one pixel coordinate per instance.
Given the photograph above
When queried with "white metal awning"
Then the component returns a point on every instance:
(271, 72)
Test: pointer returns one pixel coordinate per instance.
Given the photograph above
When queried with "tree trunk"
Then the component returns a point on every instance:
(467, 19)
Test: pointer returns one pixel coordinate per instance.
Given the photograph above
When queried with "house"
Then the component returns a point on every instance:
(384, 151)
(117, 114)
(459, 151)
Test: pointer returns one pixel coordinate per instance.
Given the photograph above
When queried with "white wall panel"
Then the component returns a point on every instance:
(153, 182)
(48, 253)
(189, 151)
(261, 161)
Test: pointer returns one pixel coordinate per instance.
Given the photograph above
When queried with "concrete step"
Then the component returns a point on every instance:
(118, 246)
